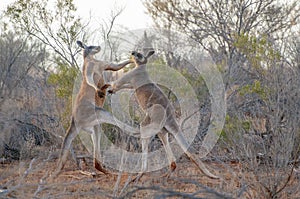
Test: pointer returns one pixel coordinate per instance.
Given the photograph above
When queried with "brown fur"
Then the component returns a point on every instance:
(87, 111)
(159, 111)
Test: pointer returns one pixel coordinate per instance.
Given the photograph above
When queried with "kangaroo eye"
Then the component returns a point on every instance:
(139, 55)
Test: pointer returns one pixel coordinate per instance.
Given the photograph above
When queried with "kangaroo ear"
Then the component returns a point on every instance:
(80, 44)
(151, 52)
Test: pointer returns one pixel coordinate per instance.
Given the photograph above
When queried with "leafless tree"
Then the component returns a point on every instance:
(109, 35)
(216, 24)
(251, 43)
(27, 108)
(57, 28)
(17, 58)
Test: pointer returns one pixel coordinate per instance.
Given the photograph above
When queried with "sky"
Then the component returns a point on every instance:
(133, 16)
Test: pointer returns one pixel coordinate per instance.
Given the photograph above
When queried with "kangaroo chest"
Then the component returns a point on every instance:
(149, 94)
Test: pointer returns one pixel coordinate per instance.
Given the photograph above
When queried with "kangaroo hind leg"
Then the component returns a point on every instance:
(184, 145)
(72, 132)
(96, 137)
(150, 126)
(164, 137)
(103, 116)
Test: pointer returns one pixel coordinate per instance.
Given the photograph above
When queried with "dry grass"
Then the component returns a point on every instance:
(29, 179)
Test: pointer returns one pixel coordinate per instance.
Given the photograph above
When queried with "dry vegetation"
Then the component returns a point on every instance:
(256, 47)
(29, 179)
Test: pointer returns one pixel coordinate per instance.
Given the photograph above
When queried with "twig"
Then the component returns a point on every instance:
(27, 171)
(41, 185)
(116, 188)
(126, 183)
(165, 193)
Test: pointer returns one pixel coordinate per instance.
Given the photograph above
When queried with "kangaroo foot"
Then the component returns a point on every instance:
(99, 167)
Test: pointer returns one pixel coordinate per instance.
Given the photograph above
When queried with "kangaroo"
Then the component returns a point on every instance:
(87, 113)
(160, 114)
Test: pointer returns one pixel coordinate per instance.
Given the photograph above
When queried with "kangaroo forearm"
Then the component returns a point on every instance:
(116, 67)
(120, 83)
(124, 86)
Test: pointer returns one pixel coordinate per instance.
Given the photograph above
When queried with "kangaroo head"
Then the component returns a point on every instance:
(88, 50)
(139, 58)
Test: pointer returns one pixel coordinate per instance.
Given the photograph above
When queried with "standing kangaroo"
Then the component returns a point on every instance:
(160, 114)
(87, 113)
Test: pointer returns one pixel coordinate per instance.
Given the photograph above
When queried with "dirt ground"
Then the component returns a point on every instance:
(29, 179)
